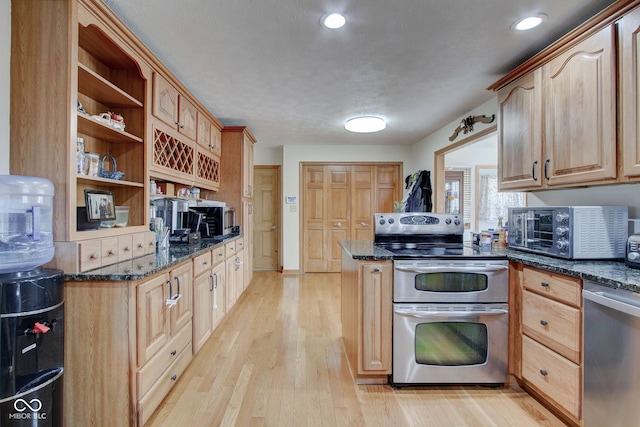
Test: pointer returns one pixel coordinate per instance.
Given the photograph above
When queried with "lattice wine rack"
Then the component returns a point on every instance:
(172, 153)
(208, 168)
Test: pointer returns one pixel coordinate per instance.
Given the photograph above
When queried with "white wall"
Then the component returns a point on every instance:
(5, 52)
(421, 156)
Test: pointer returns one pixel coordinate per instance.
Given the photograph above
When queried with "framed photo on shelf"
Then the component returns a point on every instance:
(100, 205)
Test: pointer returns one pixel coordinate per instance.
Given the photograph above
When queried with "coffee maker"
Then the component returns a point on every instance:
(175, 213)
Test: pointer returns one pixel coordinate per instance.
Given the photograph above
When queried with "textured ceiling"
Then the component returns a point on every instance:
(270, 65)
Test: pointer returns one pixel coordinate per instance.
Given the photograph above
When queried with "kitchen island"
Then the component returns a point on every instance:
(614, 273)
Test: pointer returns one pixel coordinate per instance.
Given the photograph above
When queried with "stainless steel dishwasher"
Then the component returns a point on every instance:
(611, 349)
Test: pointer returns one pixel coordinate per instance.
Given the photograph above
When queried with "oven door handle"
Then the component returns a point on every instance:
(440, 269)
(434, 314)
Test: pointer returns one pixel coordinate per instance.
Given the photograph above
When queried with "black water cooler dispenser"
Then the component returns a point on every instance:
(31, 306)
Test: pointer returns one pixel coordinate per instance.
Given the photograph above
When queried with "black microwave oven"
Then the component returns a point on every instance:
(216, 220)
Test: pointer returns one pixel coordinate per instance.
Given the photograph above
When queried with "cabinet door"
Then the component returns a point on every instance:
(181, 284)
(203, 136)
(187, 118)
(218, 302)
(580, 112)
(165, 101)
(239, 272)
(154, 329)
(247, 167)
(520, 133)
(247, 224)
(230, 282)
(387, 188)
(362, 202)
(377, 313)
(315, 211)
(629, 39)
(202, 312)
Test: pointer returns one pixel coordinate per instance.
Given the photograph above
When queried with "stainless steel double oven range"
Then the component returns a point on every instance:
(450, 311)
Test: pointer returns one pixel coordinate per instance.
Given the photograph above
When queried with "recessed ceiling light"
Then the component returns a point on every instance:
(365, 124)
(334, 21)
(529, 22)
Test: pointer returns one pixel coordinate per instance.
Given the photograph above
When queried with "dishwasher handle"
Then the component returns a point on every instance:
(610, 300)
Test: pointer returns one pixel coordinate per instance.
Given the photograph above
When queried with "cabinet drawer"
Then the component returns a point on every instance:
(148, 404)
(109, 251)
(90, 255)
(229, 249)
(562, 288)
(201, 263)
(125, 248)
(553, 324)
(138, 245)
(153, 369)
(150, 242)
(552, 374)
(218, 254)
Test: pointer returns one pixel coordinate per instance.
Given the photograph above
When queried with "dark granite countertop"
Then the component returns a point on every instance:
(141, 267)
(614, 274)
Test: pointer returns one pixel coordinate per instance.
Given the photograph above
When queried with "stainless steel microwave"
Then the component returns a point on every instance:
(217, 220)
(571, 232)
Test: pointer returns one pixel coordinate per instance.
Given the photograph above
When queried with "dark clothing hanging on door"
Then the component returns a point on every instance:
(419, 192)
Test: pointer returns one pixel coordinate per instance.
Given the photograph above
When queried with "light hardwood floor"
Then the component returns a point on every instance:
(277, 360)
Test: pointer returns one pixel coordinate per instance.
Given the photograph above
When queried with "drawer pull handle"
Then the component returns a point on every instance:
(173, 352)
(544, 284)
(543, 372)
(544, 323)
(174, 377)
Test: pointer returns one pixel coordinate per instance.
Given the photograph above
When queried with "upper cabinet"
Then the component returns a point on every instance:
(628, 38)
(579, 101)
(65, 55)
(559, 112)
(173, 108)
(520, 133)
(570, 104)
(186, 141)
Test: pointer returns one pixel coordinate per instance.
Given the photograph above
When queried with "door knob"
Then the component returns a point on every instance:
(273, 227)
(337, 224)
(364, 224)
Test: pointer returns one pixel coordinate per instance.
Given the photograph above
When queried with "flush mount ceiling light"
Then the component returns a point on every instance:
(365, 124)
(529, 22)
(334, 21)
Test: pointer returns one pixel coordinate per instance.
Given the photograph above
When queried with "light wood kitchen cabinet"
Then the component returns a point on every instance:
(209, 135)
(367, 315)
(629, 39)
(67, 52)
(339, 201)
(173, 108)
(164, 316)
(236, 187)
(202, 306)
(570, 104)
(546, 354)
(580, 110)
(230, 275)
(209, 295)
(520, 133)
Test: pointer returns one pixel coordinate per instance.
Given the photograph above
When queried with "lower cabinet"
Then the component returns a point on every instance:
(209, 297)
(547, 352)
(164, 316)
(367, 315)
(129, 341)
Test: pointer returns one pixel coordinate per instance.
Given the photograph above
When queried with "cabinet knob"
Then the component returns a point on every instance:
(544, 323)
(174, 377)
(543, 372)
(174, 352)
(376, 270)
(127, 249)
(544, 284)
(364, 224)
(139, 245)
(93, 256)
(337, 224)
